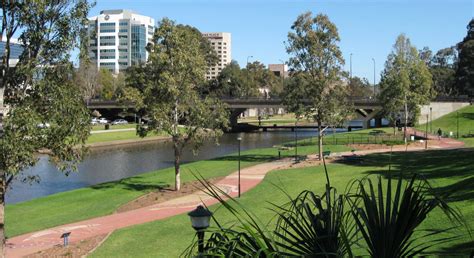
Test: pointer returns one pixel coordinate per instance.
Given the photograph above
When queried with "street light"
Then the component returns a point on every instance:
(373, 59)
(240, 140)
(296, 141)
(431, 119)
(200, 218)
(457, 125)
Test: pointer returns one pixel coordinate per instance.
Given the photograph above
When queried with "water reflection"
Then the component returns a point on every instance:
(125, 161)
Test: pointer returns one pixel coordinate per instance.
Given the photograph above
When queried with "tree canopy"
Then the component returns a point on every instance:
(168, 89)
(405, 82)
(465, 68)
(316, 65)
(44, 108)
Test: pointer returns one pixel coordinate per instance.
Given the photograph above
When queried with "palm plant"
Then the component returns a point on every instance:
(390, 228)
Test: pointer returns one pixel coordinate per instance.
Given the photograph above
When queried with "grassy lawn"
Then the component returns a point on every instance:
(448, 123)
(447, 170)
(103, 199)
(116, 136)
(102, 127)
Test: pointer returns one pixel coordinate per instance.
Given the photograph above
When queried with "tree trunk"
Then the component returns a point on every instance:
(2, 212)
(177, 175)
(320, 141)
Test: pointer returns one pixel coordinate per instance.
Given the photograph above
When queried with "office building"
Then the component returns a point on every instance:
(118, 39)
(222, 44)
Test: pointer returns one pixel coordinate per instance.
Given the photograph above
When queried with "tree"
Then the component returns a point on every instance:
(106, 82)
(39, 89)
(465, 68)
(405, 82)
(359, 87)
(168, 89)
(86, 78)
(316, 63)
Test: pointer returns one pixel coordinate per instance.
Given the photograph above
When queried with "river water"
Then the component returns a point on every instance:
(126, 161)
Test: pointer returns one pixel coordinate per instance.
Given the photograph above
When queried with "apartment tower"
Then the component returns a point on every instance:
(222, 44)
(118, 39)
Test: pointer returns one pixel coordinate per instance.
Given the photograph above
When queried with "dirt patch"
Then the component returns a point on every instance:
(78, 249)
(163, 195)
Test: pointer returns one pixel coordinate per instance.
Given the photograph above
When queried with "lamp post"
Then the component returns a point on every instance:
(457, 125)
(426, 133)
(373, 59)
(296, 141)
(431, 119)
(200, 218)
(240, 140)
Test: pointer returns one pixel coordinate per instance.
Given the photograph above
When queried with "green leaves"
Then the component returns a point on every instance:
(388, 228)
(405, 82)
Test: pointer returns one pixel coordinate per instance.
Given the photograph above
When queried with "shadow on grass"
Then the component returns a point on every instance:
(468, 116)
(132, 184)
(247, 158)
(437, 165)
(458, 249)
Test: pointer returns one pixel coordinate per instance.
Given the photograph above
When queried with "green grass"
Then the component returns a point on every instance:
(103, 199)
(102, 127)
(117, 136)
(447, 170)
(448, 123)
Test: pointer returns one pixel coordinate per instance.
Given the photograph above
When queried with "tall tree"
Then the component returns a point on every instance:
(465, 68)
(39, 89)
(168, 91)
(106, 84)
(316, 60)
(86, 79)
(443, 69)
(405, 83)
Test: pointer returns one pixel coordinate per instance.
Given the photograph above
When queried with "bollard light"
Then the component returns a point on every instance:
(200, 218)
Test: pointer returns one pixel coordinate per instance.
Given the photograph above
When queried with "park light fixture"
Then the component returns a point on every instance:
(239, 139)
(200, 220)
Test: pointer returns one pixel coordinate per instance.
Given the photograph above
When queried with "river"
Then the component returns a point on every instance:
(125, 161)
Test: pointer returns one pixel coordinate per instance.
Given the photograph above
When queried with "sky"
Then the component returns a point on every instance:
(367, 28)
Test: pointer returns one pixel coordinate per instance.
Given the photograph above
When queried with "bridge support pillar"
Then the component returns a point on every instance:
(378, 122)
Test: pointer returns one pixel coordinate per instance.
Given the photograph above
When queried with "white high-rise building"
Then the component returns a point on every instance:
(222, 44)
(118, 39)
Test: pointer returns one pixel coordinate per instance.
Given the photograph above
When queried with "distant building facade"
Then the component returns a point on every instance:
(222, 44)
(280, 70)
(15, 52)
(118, 39)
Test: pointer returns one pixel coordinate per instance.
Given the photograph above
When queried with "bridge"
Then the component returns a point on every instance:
(365, 108)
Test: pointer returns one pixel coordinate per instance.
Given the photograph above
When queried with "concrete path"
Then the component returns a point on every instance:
(37, 241)
(250, 177)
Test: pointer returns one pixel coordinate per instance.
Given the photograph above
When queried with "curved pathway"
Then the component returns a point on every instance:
(37, 241)
(250, 177)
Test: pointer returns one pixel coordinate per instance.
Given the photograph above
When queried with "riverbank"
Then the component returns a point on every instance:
(110, 246)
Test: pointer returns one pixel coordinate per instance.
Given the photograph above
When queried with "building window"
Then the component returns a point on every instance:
(123, 43)
(123, 57)
(107, 57)
(123, 30)
(107, 43)
(107, 51)
(107, 63)
(107, 24)
(123, 23)
(105, 30)
(123, 63)
(123, 50)
(123, 36)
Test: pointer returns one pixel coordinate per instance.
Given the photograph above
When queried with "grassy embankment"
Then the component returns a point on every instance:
(447, 170)
(103, 199)
(448, 123)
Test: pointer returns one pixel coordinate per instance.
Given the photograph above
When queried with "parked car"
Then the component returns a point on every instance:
(119, 122)
(94, 121)
(102, 121)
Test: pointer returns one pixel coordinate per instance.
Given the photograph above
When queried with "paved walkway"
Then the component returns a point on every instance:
(33, 242)
(250, 177)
